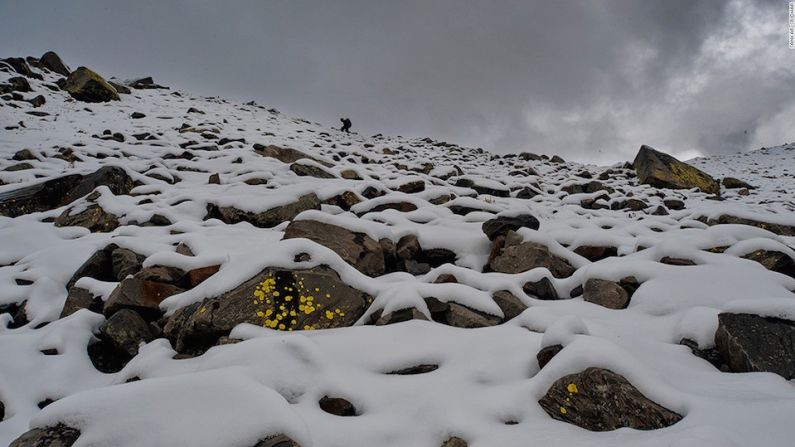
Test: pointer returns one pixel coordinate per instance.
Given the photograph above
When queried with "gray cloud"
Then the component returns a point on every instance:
(590, 80)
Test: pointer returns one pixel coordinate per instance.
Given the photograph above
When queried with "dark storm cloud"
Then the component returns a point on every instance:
(590, 80)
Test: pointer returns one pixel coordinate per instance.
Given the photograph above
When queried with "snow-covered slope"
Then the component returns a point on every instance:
(487, 383)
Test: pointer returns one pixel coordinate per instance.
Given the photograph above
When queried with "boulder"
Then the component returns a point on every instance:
(125, 262)
(308, 170)
(735, 183)
(661, 170)
(55, 436)
(16, 84)
(337, 406)
(725, 219)
(749, 343)
(357, 249)
(598, 399)
(595, 253)
(24, 155)
(483, 189)
(53, 62)
(285, 154)
(605, 293)
(546, 354)
(62, 191)
(120, 88)
(21, 66)
(145, 84)
(499, 226)
(775, 261)
(527, 256)
(542, 289)
(457, 315)
(277, 441)
(95, 218)
(264, 219)
(276, 298)
(125, 330)
(412, 187)
(87, 86)
(79, 298)
(509, 303)
(141, 295)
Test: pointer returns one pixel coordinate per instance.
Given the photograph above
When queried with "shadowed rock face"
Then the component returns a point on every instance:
(598, 399)
(62, 191)
(87, 86)
(749, 343)
(664, 171)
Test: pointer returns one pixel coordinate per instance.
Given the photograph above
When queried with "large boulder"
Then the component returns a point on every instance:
(664, 171)
(598, 399)
(53, 62)
(527, 256)
(62, 191)
(56, 436)
(748, 343)
(357, 249)
(87, 86)
(264, 219)
(276, 298)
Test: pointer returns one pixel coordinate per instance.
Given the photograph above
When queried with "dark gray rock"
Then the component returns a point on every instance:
(56, 436)
(499, 226)
(337, 406)
(749, 343)
(63, 191)
(264, 219)
(357, 249)
(509, 303)
(126, 330)
(95, 218)
(547, 353)
(53, 62)
(598, 399)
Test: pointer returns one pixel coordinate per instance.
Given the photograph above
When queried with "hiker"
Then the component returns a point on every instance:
(346, 125)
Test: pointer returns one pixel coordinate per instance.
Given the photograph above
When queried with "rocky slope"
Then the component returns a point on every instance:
(177, 270)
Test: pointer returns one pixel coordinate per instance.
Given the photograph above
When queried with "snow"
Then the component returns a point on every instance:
(270, 382)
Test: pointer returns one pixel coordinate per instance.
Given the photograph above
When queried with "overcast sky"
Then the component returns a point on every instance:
(590, 80)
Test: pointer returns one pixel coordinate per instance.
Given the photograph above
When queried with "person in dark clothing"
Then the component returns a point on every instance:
(346, 125)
